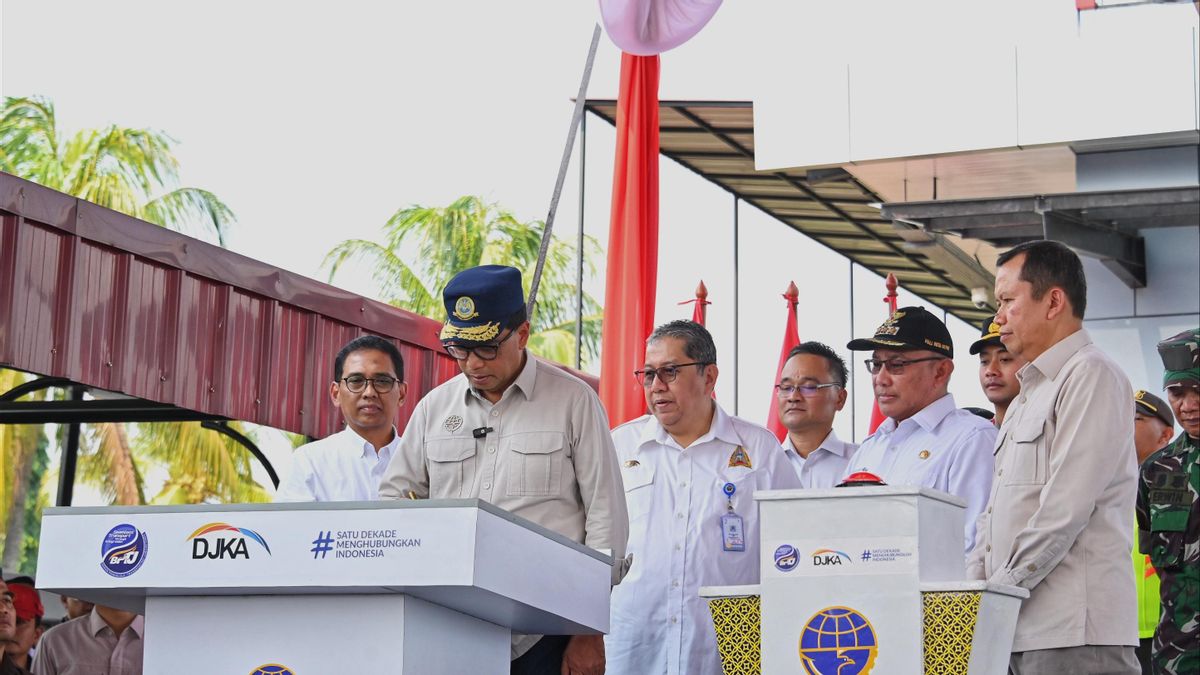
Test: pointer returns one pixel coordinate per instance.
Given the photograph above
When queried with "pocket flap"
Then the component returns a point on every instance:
(535, 442)
(637, 476)
(450, 449)
(1028, 432)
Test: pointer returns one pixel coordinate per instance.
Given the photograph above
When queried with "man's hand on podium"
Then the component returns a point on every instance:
(584, 655)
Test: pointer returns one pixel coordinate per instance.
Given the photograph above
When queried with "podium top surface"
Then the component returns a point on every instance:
(333, 506)
(860, 492)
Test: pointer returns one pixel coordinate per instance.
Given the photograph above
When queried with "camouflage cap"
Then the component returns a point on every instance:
(1181, 357)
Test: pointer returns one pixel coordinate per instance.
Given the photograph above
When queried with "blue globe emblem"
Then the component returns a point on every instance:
(786, 558)
(838, 641)
(123, 550)
(272, 669)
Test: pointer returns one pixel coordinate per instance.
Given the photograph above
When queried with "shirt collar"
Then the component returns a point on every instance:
(832, 444)
(96, 624)
(368, 450)
(1051, 361)
(720, 429)
(928, 417)
(526, 379)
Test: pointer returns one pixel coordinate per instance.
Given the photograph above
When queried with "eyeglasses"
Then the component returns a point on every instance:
(666, 374)
(896, 366)
(484, 352)
(809, 390)
(357, 384)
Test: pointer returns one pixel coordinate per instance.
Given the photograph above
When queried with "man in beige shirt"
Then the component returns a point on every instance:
(521, 434)
(108, 640)
(1057, 519)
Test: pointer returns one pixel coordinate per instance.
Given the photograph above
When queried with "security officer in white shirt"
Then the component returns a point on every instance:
(368, 386)
(811, 391)
(926, 440)
(690, 472)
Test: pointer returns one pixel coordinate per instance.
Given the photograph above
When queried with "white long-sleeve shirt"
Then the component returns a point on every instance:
(339, 468)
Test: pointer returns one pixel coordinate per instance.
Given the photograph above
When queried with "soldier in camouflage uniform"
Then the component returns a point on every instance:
(1168, 513)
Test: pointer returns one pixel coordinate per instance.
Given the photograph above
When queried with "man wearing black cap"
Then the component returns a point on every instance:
(926, 439)
(1057, 519)
(521, 434)
(1168, 511)
(997, 370)
(1153, 427)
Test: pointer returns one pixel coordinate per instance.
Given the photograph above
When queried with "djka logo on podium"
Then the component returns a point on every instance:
(123, 550)
(209, 542)
(838, 641)
(828, 556)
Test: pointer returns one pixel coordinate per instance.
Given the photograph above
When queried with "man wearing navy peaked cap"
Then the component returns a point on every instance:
(520, 433)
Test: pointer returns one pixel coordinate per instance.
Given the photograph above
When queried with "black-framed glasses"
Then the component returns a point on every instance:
(485, 352)
(666, 373)
(809, 390)
(896, 366)
(382, 384)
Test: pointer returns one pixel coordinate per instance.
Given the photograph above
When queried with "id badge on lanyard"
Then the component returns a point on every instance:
(733, 534)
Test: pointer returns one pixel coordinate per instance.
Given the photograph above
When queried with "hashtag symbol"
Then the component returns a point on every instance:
(323, 544)
(866, 555)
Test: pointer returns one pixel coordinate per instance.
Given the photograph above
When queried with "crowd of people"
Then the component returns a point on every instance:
(1054, 478)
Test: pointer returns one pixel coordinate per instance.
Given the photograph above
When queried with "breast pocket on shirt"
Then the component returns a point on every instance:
(537, 458)
(1028, 462)
(451, 467)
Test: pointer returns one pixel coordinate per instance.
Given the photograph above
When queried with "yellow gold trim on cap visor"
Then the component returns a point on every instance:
(481, 333)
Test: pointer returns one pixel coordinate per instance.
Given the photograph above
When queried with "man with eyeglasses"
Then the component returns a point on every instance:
(811, 391)
(521, 434)
(8, 631)
(926, 439)
(1168, 511)
(690, 471)
(1057, 518)
(368, 387)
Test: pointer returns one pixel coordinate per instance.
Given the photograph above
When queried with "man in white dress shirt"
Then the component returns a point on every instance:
(690, 472)
(368, 386)
(811, 391)
(926, 439)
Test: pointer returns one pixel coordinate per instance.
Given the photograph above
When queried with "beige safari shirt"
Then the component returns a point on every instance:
(549, 458)
(1057, 520)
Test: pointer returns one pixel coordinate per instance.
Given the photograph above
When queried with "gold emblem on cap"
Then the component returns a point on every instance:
(630, 463)
(889, 327)
(1139, 394)
(464, 309)
(924, 454)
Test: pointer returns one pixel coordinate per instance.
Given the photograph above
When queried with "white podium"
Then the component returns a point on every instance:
(318, 588)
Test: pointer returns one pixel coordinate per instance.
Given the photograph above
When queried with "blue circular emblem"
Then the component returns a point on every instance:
(123, 550)
(838, 641)
(729, 489)
(786, 558)
(272, 669)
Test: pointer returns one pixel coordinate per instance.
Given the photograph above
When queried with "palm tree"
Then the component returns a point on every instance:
(133, 171)
(129, 170)
(443, 241)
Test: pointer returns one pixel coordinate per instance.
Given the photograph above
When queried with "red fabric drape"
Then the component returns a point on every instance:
(632, 241)
(878, 417)
(791, 338)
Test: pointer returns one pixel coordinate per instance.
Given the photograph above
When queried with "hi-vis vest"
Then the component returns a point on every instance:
(1145, 578)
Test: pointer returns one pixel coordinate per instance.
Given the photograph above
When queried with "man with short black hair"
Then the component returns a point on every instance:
(997, 370)
(368, 387)
(1168, 512)
(926, 439)
(108, 640)
(521, 434)
(810, 392)
(690, 471)
(1057, 519)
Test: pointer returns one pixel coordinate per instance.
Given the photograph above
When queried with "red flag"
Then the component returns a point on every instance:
(632, 241)
(791, 338)
(701, 303)
(878, 417)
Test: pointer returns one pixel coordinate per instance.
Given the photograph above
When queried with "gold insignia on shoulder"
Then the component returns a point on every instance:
(630, 463)
(464, 309)
(924, 454)
(740, 458)
(453, 423)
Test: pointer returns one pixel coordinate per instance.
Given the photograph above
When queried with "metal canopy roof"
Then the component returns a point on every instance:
(715, 139)
(1103, 225)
